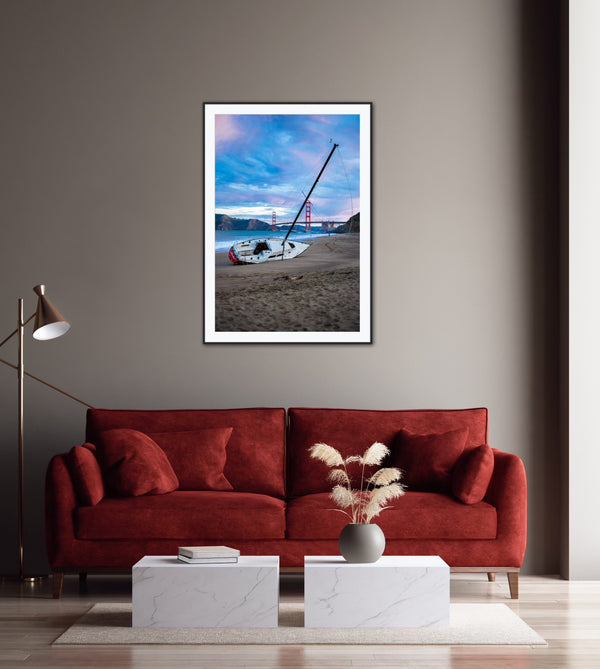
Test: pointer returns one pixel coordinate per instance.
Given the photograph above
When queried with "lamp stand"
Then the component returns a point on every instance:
(20, 482)
(20, 369)
(49, 324)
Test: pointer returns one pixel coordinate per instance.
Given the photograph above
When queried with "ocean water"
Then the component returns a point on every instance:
(224, 239)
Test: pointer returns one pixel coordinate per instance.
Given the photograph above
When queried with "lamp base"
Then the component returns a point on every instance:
(25, 579)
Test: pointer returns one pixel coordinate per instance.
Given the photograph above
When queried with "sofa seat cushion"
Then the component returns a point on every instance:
(184, 515)
(416, 515)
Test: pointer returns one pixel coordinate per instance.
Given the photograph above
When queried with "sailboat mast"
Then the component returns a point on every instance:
(309, 194)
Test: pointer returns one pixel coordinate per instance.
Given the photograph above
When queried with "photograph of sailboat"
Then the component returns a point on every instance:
(287, 229)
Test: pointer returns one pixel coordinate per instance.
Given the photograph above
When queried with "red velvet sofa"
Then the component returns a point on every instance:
(272, 498)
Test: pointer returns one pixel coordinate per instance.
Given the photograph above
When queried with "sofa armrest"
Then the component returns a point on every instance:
(508, 493)
(61, 502)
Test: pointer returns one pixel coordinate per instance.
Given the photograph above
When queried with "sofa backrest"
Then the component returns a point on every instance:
(352, 431)
(255, 451)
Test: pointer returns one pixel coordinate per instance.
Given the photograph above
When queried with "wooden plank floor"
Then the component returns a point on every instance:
(566, 614)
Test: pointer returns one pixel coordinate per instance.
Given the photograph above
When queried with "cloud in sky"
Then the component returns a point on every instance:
(269, 162)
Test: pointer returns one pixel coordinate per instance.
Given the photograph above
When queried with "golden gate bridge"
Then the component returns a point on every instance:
(326, 226)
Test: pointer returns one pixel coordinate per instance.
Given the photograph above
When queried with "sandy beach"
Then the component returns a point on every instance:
(316, 292)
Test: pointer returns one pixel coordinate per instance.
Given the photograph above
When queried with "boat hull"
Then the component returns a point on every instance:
(256, 251)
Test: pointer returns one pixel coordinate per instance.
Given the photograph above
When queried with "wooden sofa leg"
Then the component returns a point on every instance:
(57, 584)
(491, 576)
(513, 584)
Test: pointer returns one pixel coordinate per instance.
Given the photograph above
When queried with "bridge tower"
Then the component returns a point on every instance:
(273, 227)
(308, 207)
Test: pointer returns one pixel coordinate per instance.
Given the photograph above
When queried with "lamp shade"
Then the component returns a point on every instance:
(49, 322)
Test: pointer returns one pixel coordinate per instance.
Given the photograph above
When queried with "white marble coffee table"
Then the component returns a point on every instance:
(170, 593)
(395, 591)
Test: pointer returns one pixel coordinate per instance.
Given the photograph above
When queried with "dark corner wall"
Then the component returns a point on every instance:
(101, 177)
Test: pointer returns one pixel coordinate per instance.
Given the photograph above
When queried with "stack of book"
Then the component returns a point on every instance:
(207, 554)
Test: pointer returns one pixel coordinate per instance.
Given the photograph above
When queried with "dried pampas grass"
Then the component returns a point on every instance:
(375, 453)
(361, 504)
(343, 497)
(339, 476)
(327, 454)
(385, 476)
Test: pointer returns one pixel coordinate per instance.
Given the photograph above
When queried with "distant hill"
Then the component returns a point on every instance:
(224, 222)
(351, 225)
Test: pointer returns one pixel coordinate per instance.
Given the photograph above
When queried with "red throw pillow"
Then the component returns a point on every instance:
(133, 464)
(197, 456)
(472, 474)
(427, 460)
(86, 475)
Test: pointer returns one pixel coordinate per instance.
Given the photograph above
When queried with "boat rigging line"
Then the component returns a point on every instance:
(339, 153)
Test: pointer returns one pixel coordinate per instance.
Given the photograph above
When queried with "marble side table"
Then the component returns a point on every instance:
(170, 593)
(395, 591)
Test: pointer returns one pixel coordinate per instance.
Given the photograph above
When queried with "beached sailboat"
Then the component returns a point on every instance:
(263, 250)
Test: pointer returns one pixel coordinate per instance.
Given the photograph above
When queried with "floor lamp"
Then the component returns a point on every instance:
(48, 324)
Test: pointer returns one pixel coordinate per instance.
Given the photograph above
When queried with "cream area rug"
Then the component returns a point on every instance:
(469, 624)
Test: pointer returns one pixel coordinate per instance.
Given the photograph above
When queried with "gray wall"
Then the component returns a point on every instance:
(101, 179)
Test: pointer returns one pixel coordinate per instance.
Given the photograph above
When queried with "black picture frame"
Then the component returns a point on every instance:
(263, 156)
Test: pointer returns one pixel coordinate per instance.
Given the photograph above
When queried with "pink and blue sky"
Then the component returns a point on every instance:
(269, 162)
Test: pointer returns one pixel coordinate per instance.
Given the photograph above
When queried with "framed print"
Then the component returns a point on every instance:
(287, 223)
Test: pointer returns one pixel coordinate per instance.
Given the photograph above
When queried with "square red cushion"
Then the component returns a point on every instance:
(134, 464)
(427, 460)
(197, 456)
(472, 474)
(86, 475)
